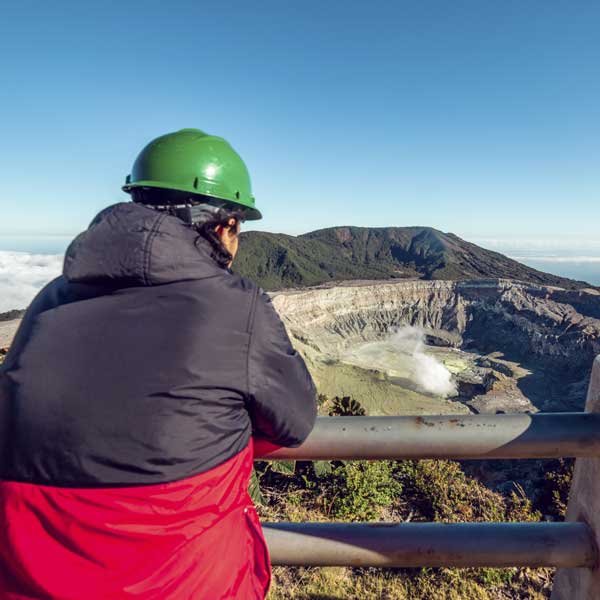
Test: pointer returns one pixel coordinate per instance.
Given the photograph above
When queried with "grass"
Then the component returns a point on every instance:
(328, 583)
(377, 394)
(424, 490)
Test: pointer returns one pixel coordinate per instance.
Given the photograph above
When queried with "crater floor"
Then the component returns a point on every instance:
(387, 381)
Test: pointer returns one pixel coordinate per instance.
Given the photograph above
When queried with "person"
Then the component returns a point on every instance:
(133, 391)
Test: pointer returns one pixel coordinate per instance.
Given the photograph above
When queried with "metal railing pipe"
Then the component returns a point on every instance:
(522, 435)
(431, 544)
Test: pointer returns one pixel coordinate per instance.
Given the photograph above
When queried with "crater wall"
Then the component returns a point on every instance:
(555, 329)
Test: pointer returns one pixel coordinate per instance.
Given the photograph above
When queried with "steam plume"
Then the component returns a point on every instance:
(427, 371)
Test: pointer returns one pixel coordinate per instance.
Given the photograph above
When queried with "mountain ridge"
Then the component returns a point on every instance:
(277, 261)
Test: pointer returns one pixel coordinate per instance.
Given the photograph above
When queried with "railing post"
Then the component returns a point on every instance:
(584, 505)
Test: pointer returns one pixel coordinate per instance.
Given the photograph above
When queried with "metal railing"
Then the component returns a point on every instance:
(437, 544)
(522, 435)
(431, 544)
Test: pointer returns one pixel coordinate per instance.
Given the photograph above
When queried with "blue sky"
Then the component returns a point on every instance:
(480, 118)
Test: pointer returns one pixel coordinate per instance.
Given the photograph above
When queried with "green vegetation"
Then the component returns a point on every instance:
(381, 397)
(406, 490)
(345, 406)
(554, 494)
(277, 261)
(338, 583)
(367, 489)
(397, 491)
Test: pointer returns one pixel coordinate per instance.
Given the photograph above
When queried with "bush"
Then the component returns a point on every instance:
(346, 407)
(439, 490)
(362, 488)
(554, 494)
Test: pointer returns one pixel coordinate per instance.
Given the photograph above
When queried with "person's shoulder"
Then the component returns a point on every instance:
(262, 298)
(51, 295)
(241, 283)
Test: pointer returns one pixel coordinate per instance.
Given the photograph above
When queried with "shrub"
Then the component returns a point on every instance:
(439, 490)
(362, 488)
(346, 407)
(554, 494)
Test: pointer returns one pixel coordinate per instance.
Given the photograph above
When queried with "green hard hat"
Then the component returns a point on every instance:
(195, 162)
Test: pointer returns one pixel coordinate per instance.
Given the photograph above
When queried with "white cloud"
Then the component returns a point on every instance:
(559, 259)
(23, 274)
(568, 244)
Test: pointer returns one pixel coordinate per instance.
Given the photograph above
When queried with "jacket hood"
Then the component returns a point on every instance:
(129, 244)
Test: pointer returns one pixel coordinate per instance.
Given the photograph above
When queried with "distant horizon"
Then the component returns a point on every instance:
(566, 240)
(27, 265)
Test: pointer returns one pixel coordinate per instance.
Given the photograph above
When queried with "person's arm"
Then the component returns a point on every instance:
(282, 394)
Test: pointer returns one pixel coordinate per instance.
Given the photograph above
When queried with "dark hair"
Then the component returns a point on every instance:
(206, 230)
(203, 222)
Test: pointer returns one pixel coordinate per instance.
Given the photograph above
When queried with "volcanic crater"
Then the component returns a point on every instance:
(416, 346)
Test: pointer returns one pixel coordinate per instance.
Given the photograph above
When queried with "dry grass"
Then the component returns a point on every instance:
(431, 491)
(386, 584)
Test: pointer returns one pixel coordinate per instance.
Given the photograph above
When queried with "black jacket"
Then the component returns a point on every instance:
(146, 362)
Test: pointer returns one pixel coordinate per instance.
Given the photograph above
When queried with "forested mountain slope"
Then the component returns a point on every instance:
(278, 261)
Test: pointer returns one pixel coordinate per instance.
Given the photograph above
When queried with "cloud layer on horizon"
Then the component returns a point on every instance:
(559, 259)
(23, 274)
(585, 247)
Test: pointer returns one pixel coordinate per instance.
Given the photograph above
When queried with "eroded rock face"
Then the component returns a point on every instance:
(329, 319)
(502, 315)
(554, 330)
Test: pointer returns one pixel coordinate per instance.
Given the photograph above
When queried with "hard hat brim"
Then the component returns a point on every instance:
(250, 213)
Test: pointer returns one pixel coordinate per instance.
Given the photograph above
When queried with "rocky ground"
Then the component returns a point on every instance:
(7, 332)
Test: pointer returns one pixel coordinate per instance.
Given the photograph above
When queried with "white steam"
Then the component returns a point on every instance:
(426, 371)
(23, 274)
(406, 360)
